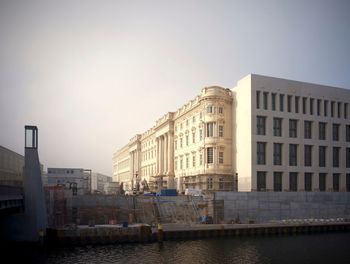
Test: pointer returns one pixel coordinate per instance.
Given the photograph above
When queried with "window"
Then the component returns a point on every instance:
(221, 157)
(297, 104)
(210, 129)
(336, 132)
(348, 182)
(209, 109)
(194, 160)
(187, 162)
(289, 103)
(311, 106)
(210, 155)
(221, 110)
(260, 125)
(266, 100)
(257, 99)
(322, 131)
(322, 156)
(293, 181)
(180, 142)
(261, 153)
(308, 181)
(293, 154)
(221, 131)
(336, 151)
(307, 129)
(293, 128)
(221, 183)
(277, 154)
(277, 127)
(304, 105)
(200, 134)
(273, 101)
(346, 110)
(261, 181)
(318, 107)
(322, 181)
(281, 102)
(175, 164)
(181, 126)
(347, 154)
(186, 140)
(307, 155)
(277, 181)
(181, 164)
(339, 110)
(200, 159)
(210, 183)
(347, 133)
(194, 119)
(332, 109)
(325, 108)
(187, 122)
(193, 137)
(335, 182)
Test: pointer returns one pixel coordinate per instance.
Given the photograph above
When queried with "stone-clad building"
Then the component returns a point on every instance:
(265, 134)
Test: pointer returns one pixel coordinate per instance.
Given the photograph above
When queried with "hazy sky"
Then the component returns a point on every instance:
(92, 74)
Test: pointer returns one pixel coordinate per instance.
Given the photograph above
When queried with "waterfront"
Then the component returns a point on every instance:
(316, 248)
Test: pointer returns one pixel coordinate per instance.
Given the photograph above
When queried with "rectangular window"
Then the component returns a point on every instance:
(322, 150)
(277, 181)
(210, 183)
(336, 182)
(281, 102)
(336, 152)
(176, 164)
(318, 107)
(339, 110)
(187, 162)
(277, 127)
(307, 129)
(221, 157)
(261, 181)
(348, 182)
(297, 104)
(221, 131)
(193, 137)
(187, 122)
(307, 155)
(221, 110)
(293, 181)
(308, 181)
(186, 140)
(332, 108)
(209, 109)
(266, 94)
(260, 125)
(210, 155)
(200, 134)
(221, 183)
(325, 108)
(277, 154)
(200, 159)
(293, 128)
(194, 119)
(289, 103)
(293, 154)
(181, 164)
(257, 99)
(180, 142)
(304, 105)
(322, 181)
(336, 132)
(311, 106)
(194, 160)
(210, 129)
(347, 154)
(261, 152)
(322, 131)
(175, 143)
(273, 101)
(347, 133)
(346, 110)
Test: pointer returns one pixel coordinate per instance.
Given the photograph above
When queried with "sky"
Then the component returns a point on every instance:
(92, 74)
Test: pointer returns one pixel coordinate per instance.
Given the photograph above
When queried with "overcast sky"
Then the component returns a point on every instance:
(92, 74)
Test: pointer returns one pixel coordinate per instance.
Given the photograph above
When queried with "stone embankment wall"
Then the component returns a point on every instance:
(262, 207)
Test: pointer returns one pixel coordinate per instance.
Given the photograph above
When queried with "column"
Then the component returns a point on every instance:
(157, 159)
(171, 153)
(166, 161)
(161, 156)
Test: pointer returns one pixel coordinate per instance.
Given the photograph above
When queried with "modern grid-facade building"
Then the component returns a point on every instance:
(265, 134)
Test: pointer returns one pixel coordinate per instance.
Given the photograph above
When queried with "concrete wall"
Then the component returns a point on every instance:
(265, 206)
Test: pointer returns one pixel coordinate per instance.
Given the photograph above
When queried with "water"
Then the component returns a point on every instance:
(316, 248)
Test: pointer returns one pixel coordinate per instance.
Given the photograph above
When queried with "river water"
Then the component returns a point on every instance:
(315, 248)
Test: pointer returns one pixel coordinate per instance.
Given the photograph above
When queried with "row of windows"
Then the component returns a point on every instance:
(209, 155)
(308, 105)
(308, 129)
(308, 154)
(293, 181)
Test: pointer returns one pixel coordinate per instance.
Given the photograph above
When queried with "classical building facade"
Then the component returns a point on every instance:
(265, 134)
